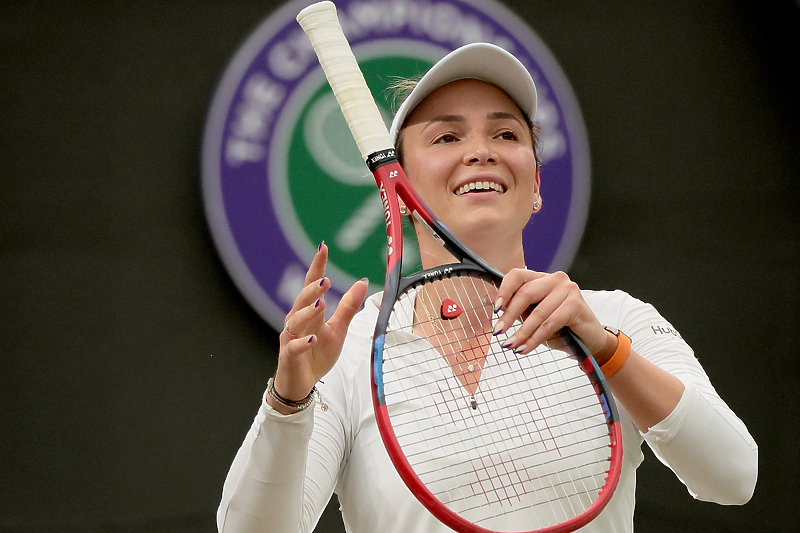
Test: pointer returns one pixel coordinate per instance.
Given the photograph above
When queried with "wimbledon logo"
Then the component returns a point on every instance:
(281, 173)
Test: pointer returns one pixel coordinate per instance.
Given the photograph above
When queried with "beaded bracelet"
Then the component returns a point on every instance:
(615, 362)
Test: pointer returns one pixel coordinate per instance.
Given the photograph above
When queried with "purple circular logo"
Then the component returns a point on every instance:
(274, 124)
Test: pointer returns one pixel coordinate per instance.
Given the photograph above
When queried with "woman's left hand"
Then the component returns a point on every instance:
(558, 302)
(646, 392)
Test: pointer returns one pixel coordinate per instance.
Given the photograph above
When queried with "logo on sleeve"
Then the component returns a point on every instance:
(663, 329)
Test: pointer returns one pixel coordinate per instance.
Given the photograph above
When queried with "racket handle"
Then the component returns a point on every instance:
(321, 24)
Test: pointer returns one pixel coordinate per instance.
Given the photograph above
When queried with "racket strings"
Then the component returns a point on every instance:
(544, 434)
(539, 440)
(464, 336)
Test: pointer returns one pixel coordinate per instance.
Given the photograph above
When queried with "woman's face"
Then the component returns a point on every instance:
(467, 150)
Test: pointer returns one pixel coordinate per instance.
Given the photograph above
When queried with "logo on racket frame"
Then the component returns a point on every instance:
(281, 173)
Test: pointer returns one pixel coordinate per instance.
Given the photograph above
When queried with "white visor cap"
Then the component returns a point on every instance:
(480, 61)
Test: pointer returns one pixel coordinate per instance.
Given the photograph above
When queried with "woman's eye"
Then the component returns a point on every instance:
(508, 136)
(446, 138)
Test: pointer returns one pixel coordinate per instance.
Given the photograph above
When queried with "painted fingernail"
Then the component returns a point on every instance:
(520, 349)
(365, 280)
(509, 342)
(311, 339)
(317, 302)
(320, 246)
(322, 282)
(498, 328)
(498, 304)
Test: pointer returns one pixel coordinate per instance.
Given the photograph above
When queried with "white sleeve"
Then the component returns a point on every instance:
(288, 466)
(707, 447)
(278, 482)
(702, 441)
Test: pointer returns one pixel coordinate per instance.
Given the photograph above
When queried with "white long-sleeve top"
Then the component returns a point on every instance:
(289, 465)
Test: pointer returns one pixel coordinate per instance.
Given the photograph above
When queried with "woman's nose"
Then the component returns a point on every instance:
(479, 151)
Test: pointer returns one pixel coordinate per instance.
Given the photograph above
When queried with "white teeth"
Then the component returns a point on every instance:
(480, 186)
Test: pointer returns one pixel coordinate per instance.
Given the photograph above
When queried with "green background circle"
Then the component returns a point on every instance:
(322, 204)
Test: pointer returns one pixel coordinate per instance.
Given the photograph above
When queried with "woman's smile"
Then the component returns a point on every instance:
(480, 186)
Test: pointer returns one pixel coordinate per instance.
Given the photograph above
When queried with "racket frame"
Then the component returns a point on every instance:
(321, 24)
(393, 184)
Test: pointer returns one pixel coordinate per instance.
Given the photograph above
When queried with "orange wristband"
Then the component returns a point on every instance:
(615, 362)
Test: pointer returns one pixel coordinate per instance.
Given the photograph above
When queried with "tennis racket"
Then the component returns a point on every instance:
(486, 439)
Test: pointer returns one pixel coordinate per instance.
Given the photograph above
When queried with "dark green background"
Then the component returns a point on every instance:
(316, 192)
(130, 366)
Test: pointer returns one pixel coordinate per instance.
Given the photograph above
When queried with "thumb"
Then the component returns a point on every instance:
(348, 307)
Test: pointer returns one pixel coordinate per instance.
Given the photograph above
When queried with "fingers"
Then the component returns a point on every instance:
(557, 302)
(316, 270)
(315, 286)
(547, 295)
(309, 347)
(304, 322)
(307, 313)
(520, 290)
(307, 316)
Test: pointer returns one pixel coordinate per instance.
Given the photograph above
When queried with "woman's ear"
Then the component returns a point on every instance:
(537, 197)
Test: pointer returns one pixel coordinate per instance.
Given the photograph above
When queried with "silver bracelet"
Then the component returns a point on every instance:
(296, 406)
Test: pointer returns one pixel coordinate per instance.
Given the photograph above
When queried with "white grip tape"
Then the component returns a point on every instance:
(321, 24)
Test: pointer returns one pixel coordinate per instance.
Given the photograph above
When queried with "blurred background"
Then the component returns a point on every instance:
(130, 365)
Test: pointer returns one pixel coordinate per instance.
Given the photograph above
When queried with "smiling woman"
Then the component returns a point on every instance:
(470, 153)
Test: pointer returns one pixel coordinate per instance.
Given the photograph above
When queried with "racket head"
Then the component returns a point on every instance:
(520, 443)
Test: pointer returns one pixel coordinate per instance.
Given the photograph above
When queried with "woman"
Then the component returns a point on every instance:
(468, 121)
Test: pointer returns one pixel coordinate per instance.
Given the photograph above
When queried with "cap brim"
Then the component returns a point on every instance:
(481, 61)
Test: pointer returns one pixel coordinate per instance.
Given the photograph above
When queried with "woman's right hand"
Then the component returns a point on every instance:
(310, 346)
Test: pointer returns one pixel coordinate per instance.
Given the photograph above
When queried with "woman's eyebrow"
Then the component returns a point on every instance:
(502, 115)
(445, 118)
(495, 115)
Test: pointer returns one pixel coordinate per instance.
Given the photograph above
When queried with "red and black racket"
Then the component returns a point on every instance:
(487, 439)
